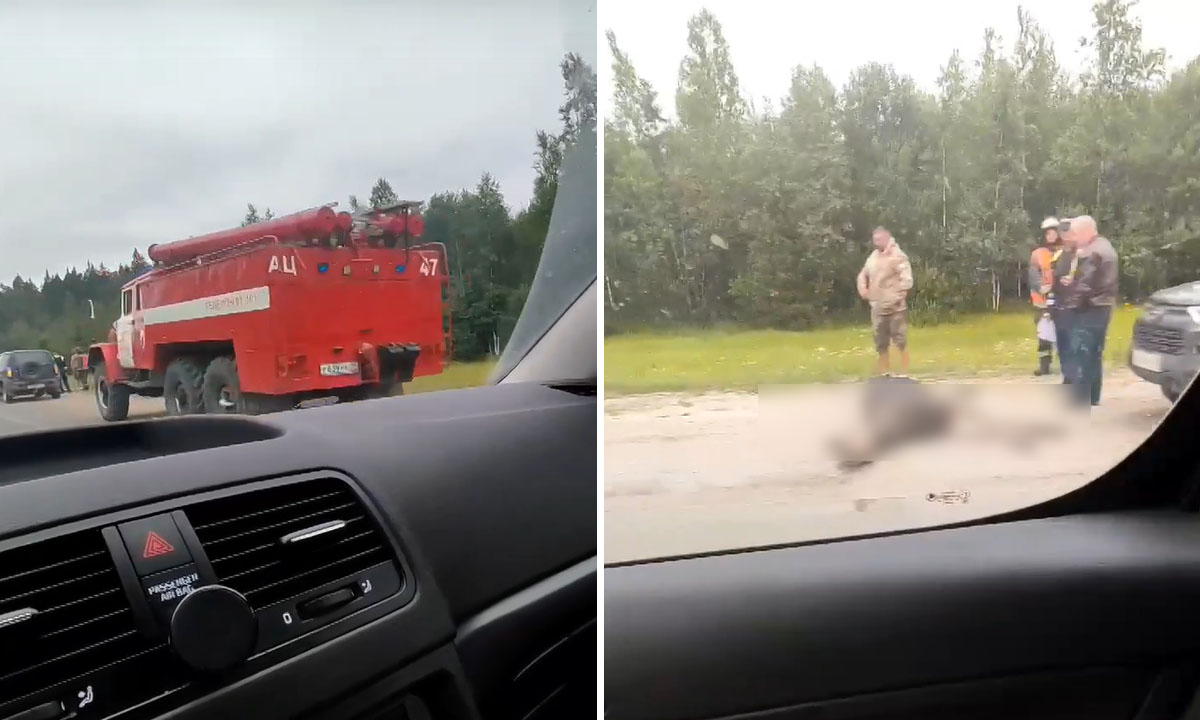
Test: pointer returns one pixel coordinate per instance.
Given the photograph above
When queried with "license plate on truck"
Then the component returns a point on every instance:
(1147, 360)
(335, 369)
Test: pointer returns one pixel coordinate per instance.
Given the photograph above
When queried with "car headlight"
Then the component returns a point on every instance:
(1194, 313)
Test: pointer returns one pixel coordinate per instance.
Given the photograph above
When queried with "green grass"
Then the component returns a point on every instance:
(454, 376)
(991, 344)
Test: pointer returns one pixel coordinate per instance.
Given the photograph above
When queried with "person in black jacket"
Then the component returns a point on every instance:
(61, 363)
(1091, 295)
(1063, 262)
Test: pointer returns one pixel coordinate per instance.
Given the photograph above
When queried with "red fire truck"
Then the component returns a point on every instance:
(315, 307)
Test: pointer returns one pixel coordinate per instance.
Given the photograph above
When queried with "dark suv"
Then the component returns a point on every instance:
(28, 372)
(1166, 339)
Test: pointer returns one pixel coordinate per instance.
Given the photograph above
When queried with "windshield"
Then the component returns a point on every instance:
(568, 264)
(289, 253)
(857, 284)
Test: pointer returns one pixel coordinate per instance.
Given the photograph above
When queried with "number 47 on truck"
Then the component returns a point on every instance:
(314, 307)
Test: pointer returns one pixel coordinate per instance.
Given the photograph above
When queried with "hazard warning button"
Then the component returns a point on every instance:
(154, 544)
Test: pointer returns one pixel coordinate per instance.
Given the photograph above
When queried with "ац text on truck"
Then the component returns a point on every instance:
(314, 307)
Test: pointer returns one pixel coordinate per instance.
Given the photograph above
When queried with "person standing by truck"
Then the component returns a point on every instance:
(1091, 295)
(61, 363)
(79, 367)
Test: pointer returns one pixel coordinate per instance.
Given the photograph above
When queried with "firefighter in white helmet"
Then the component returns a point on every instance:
(1041, 293)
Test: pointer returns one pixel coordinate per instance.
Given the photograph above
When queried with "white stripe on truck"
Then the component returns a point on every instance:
(239, 301)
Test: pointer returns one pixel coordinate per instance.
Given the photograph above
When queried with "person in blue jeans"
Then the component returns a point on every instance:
(1064, 267)
(61, 363)
(1062, 342)
(1089, 327)
(1091, 293)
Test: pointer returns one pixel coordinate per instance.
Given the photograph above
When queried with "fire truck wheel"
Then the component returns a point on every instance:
(182, 387)
(112, 400)
(221, 390)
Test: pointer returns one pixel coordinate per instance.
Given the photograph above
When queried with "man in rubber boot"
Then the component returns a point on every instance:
(884, 282)
(1041, 288)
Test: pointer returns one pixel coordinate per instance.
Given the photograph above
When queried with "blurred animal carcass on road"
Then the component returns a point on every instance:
(901, 411)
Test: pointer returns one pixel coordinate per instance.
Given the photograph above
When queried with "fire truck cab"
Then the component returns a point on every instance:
(309, 308)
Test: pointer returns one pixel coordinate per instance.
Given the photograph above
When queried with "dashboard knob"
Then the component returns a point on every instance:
(213, 629)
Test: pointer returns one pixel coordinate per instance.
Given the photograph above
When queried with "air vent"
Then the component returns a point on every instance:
(66, 630)
(242, 536)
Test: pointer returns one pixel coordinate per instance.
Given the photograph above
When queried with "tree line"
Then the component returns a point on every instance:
(761, 214)
(493, 252)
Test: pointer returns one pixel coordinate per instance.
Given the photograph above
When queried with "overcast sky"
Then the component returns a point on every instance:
(126, 124)
(768, 39)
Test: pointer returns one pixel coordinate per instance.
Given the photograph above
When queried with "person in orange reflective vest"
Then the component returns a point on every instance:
(1041, 294)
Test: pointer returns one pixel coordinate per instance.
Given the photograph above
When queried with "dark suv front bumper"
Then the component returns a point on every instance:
(1166, 348)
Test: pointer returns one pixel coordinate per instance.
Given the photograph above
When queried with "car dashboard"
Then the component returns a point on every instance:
(429, 556)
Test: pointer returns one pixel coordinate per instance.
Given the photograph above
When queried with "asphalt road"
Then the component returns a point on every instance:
(71, 409)
(700, 473)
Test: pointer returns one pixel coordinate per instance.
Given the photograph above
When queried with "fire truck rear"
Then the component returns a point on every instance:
(309, 308)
